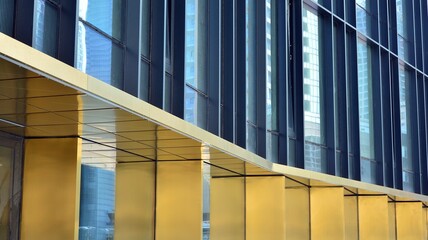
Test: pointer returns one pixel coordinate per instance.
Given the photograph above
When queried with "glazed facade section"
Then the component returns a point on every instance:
(82, 159)
(331, 86)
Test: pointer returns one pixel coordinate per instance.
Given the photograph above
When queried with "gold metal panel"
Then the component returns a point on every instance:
(391, 221)
(17, 106)
(265, 208)
(33, 87)
(36, 119)
(232, 164)
(179, 200)
(251, 169)
(100, 116)
(11, 71)
(135, 203)
(51, 189)
(106, 138)
(409, 220)
(297, 220)
(127, 126)
(327, 213)
(351, 217)
(227, 207)
(424, 223)
(373, 217)
(68, 103)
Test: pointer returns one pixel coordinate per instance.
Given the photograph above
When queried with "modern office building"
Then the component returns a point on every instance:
(213, 119)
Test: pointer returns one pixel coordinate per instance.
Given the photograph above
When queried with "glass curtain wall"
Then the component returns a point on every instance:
(363, 16)
(251, 73)
(406, 136)
(271, 83)
(365, 109)
(145, 50)
(404, 26)
(7, 10)
(45, 37)
(100, 47)
(195, 73)
(312, 91)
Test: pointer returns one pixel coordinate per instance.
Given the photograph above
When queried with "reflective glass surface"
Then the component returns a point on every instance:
(311, 91)
(99, 56)
(46, 27)
(195, 107)
(250, 64)
(406, 138)
(271, 80)
(404, 28)
(6, 158)
(363, 16)
(97, 201)
(145, 28)
(7, 10)
(365, 110)
(103, 14)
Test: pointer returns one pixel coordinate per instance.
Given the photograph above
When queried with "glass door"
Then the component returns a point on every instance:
(10, 186)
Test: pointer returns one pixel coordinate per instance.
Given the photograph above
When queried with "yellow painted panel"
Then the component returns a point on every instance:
(135, 201)
(179, 200)
(265, 208)
(227, 208)
(373, 217)
(409, 220)
(327, 213)
(424, 223)
(391, 220)
(351, 218)
(297, 221)
(51, 189)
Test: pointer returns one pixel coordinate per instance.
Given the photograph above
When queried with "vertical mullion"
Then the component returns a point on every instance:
(387, 133)
(179, 16)
(228, 77)
(240, 73)
(415, 131)
(282, 72)
(261, 76)
(422, 173)
(341, 86)
(214, 23)
(327, 99)
(377, 112)
(353, 114)
(132, 50)
(297, 78)
(157, 50)
(396, 122)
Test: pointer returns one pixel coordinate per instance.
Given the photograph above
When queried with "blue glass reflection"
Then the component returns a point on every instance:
(99, 57)
(97, 203)
(103, 14)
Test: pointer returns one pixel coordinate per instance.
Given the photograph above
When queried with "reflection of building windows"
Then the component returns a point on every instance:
(312, 92)
(100, 46)
(365, 110)
(195, 62)
(46, 27)
(403, 27)
(97, 203)
(363, 16)
(271, 83)
(145, 50)
(406, 136)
